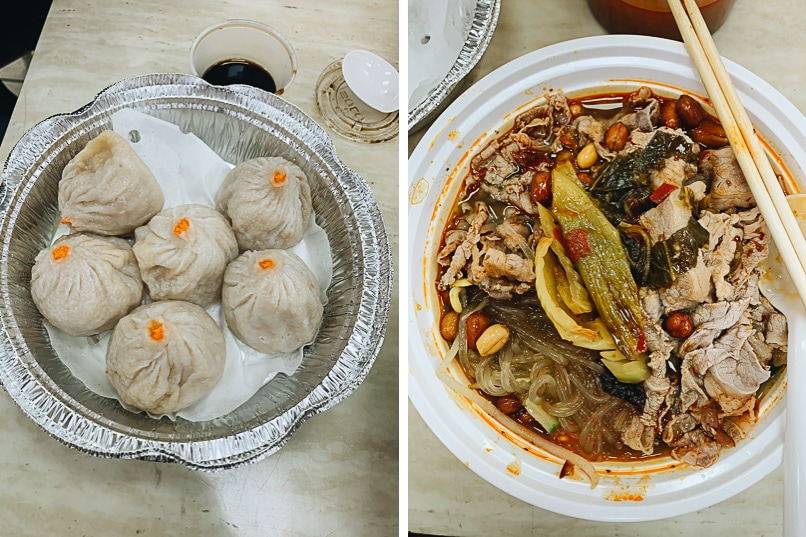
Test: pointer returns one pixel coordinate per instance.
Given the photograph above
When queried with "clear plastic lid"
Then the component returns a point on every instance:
(348, 115)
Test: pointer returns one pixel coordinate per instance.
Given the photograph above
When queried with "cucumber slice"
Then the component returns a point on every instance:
(627, 371)
(536, 410)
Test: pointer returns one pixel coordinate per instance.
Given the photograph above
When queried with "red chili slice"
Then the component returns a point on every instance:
(662, 192)
(576, 244)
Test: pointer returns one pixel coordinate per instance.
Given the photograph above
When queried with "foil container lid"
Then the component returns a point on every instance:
(482, 27)
(238, 123)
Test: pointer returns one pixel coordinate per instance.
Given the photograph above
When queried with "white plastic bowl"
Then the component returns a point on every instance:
(658, 488)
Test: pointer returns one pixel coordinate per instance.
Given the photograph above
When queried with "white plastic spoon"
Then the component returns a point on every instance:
(777, 286)
(373, 80)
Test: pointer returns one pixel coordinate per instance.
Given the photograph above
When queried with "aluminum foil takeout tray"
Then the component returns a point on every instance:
(479, 27)
(238, 123)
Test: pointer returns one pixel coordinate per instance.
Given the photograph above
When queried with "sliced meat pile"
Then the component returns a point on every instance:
(505, 168)
(703, 385)
(494, 254)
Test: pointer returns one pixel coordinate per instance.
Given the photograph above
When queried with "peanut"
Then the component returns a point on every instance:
(689, 111)
(492, 339)
(616, 136)
(541, 187)
(508, 404)
(587, 157)
(477, 322)
(709, 134)
(449, 326)
(679, 325)
(668, 115)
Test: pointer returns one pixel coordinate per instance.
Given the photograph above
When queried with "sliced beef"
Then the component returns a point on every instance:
(500, 175)
(502, 288)
(659, 342)
(643, 119)
(515, 233)
(464, 250)
(590, 129)
(734, 381)
(677, 426)
(539, 128)
(640, 97)
(453, 239)
(639, 435)
(499, 264)
(662, 221)
(497, 170)
(638, 140)
(775, 330)
(689, 289)
(728, 371)
(710, 320)
(729, 189)
(492, 254)
(696, 448)
(675, 171)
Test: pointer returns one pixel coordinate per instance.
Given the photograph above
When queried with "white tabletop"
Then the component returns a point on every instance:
(447, 498)
(338, 475)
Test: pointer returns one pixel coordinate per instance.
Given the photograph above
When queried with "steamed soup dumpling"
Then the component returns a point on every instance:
(271, 301)
(183, 252)
(268, 201)
(165, 356)
(84, 283)
(107, 188)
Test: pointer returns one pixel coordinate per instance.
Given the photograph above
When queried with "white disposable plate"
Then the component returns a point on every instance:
(650, 490)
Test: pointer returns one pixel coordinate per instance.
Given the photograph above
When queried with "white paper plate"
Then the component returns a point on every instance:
(650, 490)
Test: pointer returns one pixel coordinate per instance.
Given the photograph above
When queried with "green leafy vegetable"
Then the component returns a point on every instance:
(637, 245)
(666, 144)
(623, 188)
(677, 254)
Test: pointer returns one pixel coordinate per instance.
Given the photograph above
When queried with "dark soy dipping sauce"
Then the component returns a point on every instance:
(240, 72)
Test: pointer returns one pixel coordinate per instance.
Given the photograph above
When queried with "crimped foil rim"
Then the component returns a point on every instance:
(92, 433)
(485, 20)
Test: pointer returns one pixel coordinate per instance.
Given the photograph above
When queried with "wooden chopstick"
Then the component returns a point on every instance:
(781, 222)
(752, 159)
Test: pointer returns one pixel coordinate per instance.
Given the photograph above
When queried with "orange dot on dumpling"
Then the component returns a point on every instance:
(155, 330)
(181, 226)
(60, 252)
(279, 177)
(266, 264)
